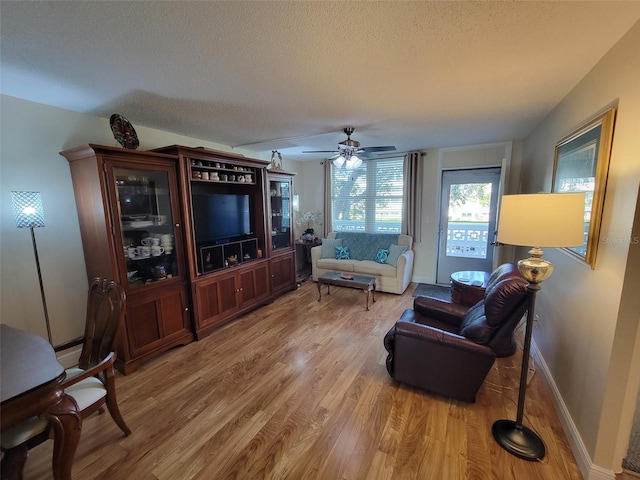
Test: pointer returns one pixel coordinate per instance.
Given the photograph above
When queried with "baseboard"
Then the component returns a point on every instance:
(421, 279)
(70, 357)
(587, 468)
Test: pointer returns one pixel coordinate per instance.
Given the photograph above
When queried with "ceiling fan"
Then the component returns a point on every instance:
(349, 152)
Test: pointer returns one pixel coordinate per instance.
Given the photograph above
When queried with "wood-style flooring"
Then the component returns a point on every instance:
(298, 390)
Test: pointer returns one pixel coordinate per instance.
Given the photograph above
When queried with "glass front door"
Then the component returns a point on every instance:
(467, 221)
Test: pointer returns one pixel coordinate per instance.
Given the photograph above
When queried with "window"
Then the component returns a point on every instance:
(369, 198)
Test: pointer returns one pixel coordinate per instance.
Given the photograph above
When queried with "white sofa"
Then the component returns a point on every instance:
(389, 278)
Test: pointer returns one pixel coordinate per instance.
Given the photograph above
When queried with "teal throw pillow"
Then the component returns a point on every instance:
(342, 253)
(328, 247)
(382, 255)
(394, 253)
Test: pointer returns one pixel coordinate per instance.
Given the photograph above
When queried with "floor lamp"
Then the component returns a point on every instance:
(541, 220)
(27, 208)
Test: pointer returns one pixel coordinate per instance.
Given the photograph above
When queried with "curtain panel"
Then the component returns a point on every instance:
(328, 223)
(412, 213)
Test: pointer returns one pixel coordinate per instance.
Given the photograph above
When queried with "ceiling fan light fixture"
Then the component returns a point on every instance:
(350, 148)
(339, 162)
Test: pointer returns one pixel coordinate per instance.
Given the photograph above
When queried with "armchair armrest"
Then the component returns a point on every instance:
(447, 312)
(429, 334)
(106, 363)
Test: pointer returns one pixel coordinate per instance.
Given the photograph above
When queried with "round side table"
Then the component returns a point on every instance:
(467, 287)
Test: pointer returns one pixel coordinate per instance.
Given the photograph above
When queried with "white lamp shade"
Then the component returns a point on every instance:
(542, 220)
(356, 162)
(27, 208)
(339, 162)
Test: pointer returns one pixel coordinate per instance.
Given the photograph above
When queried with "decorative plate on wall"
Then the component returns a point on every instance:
(124, 132)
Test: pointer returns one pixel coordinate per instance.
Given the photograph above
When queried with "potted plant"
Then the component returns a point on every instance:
(309, 218)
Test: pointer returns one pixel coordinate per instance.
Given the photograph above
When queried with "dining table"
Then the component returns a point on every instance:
(31, 385)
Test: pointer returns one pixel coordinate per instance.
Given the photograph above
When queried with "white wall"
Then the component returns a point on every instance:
(309, 184)
(583, 333)
(31, 135)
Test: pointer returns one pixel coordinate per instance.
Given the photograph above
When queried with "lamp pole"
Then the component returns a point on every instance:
(514, 437)
(44, 300)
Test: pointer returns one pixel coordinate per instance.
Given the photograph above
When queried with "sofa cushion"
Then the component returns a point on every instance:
(328, 247)
(342, 253)
(373, 268)
(337, 265)
(394, 253)
(365, 246)
(382, 255)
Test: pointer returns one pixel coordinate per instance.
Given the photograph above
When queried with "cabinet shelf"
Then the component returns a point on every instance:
(219, 169)
(218, 257)
(222, 170)
(235, 182)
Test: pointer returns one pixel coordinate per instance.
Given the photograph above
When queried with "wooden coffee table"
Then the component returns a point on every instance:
(364, 283)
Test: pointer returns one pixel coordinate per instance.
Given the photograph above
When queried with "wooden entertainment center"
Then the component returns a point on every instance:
(197, 237)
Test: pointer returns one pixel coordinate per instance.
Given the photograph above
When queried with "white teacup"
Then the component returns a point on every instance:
(143, 251)
(148, 241)
(156, 250)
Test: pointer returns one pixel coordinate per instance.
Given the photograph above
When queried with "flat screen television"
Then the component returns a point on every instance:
(219, 217)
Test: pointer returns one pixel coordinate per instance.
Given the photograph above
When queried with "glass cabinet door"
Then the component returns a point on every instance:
(146, 225)
(280, 214)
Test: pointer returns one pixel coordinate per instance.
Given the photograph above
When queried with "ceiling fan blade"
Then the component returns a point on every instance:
(385, 148)
(319, 151)
(283, 139)
(393, 155)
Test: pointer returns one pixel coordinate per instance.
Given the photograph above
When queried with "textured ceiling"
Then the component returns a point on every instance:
(415, 75)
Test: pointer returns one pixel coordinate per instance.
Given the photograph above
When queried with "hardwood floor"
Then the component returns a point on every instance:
(298, 390)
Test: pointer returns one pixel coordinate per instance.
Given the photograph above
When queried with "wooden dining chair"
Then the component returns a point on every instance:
(91, 384)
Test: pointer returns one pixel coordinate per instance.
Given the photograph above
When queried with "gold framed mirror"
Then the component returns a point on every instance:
(581, 164)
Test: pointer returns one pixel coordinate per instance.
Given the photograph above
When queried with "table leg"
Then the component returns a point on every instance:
(67, 425)
(319, 291)
(373, 293)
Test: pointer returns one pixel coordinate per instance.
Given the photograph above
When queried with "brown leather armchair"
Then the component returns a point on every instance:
(447, 348)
